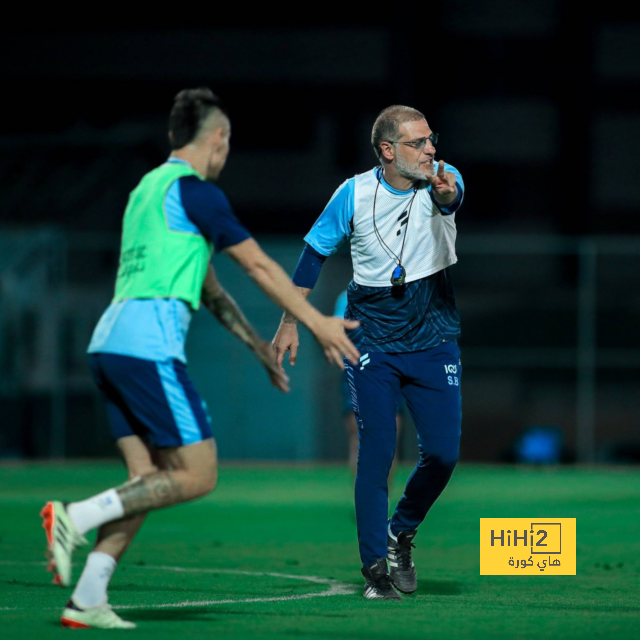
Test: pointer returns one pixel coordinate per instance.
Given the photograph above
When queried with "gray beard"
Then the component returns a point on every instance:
(409, 171)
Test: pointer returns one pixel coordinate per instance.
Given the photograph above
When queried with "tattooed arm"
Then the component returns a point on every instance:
(224, 308)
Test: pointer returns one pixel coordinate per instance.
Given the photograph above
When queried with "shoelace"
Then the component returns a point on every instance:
(404, 554)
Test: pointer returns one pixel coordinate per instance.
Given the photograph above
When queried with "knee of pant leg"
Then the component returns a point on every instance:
(448, 466)
(449, 459)
(444, 463)
(441, 452)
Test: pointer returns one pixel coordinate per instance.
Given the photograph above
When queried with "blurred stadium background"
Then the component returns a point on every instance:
(538, 105)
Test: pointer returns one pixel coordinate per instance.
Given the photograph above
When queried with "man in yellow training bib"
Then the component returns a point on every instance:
(175, 218)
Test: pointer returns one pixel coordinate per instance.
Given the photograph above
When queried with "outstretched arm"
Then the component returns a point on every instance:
(332, 227)
(224, 309)
(271, 278)
(201, 200)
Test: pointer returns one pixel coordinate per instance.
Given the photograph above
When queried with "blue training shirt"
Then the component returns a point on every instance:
(417, 316)
(156, 328)
(335, 224)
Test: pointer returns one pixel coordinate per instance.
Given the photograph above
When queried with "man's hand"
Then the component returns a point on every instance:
(286, 339)
(443, 184)
(272, 279)
(331, 336)
(267, 357)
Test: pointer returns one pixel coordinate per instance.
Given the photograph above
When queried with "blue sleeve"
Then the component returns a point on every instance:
(341, 305)
(452, 207)
(308, 269)
(208, 208)
(334, 223)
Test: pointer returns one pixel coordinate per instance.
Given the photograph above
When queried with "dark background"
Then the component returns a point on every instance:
(537, 104)
(544, 95)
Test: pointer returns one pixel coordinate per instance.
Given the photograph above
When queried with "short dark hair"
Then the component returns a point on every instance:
(191, 107)
(387, 124)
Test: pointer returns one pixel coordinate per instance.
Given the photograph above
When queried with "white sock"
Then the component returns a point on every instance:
(100, 509)
(390, 532)
(91, 590)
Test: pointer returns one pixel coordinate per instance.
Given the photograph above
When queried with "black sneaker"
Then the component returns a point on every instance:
(401, 570)
(377, 582)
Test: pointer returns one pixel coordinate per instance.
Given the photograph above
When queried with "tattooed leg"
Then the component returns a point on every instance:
(115, 537)
(193, 474)
(161, 489)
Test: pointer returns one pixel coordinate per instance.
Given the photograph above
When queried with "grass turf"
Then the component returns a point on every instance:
(274, 522)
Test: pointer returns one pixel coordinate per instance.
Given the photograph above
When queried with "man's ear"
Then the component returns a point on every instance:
(217, 135)
(387, 151)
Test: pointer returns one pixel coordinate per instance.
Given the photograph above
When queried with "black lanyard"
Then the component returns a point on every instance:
(399, 274)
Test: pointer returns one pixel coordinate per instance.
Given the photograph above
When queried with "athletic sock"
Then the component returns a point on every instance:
(96, 511)
(91, 590)
(394, 538)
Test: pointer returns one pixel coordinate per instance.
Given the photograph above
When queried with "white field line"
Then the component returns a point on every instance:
(335, 588)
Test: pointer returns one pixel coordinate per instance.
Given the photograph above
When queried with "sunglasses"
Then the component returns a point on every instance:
(419, 143)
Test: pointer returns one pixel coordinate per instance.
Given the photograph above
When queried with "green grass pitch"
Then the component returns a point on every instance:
(282, 532)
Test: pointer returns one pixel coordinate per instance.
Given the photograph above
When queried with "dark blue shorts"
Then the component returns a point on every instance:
(153, 400)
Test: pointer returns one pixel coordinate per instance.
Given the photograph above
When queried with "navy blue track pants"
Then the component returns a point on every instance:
(429, 381)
